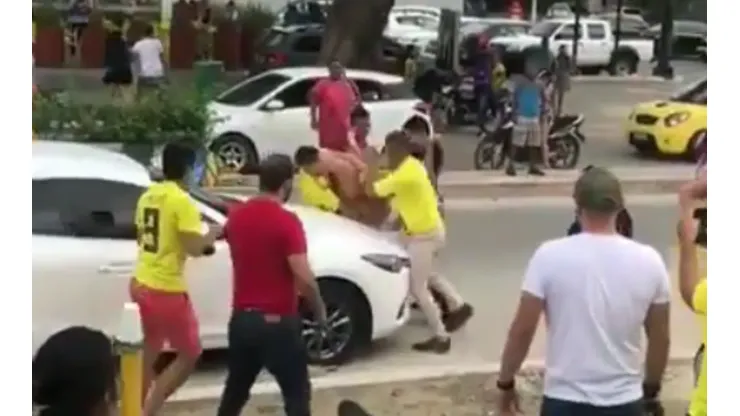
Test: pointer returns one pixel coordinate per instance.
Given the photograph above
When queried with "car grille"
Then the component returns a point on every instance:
(646, 119)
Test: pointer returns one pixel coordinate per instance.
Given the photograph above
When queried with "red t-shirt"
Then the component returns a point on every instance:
(261, 235)
(335, 100)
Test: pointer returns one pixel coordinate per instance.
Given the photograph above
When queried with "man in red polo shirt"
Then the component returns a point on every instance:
(270, 268)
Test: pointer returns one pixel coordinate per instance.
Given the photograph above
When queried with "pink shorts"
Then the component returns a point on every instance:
(167, 317)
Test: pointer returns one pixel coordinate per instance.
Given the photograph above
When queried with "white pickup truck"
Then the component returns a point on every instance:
(595, 45)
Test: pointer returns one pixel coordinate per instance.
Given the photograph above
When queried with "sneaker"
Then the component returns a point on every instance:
(438, 345)
(510, 170)
(534, 170)
(455, 320)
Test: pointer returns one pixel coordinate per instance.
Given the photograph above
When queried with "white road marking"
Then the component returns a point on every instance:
(484, 204)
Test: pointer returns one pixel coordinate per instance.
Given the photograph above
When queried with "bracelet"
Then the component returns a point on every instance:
(505, 385)
(650, 390)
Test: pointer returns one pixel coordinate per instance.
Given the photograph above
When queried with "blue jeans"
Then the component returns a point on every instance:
(556, 407)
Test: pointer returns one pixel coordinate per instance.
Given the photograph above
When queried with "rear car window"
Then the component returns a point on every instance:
(251, 90)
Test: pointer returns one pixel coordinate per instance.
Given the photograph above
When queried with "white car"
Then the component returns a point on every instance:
(596, 45)
(411, 28)
(269, 113)
(84, 252)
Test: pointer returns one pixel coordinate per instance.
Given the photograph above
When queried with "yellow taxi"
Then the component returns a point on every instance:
(670, 127)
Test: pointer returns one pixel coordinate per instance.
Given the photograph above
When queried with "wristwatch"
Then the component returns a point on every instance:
(505, 385)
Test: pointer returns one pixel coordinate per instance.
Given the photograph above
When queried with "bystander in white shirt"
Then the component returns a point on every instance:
(148, 52)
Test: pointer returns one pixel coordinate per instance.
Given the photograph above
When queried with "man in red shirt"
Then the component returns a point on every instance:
(332, 101)
(270, 268)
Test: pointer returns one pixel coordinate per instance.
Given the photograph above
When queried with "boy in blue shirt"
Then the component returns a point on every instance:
(528, 112)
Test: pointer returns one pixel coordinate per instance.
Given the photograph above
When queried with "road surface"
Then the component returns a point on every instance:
(488, 249)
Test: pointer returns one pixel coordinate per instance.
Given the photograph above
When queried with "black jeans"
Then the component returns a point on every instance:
(555, 407)
(257, 341)
(485, 101)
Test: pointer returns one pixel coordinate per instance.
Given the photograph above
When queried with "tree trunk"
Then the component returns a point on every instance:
(353, 33)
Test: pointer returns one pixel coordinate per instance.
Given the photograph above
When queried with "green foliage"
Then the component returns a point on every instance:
(257, 17)
(47, 15)
(155, 118)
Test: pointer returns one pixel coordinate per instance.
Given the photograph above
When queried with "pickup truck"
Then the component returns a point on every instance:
(595, 45)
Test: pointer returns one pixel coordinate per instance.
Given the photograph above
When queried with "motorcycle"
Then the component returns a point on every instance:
(564, 142)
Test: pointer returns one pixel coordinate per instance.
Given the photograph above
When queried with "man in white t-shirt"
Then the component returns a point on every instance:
(598, 291)
(148, 52)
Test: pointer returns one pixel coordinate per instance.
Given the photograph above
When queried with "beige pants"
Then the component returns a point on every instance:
(423, 252)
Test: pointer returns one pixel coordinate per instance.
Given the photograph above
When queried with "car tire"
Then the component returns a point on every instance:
(235, 152)
(350, 319)
(690, 152)
(623, 63)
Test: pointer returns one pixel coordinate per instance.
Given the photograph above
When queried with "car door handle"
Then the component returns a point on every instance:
(116, 268)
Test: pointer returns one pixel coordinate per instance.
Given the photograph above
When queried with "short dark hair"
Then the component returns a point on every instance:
(359, 112)
(74, 370)
(399, 139)
(306, 155)
(177, 158)
(149, 30)
(274, 171)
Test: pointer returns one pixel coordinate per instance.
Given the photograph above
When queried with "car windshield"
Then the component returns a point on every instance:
(544, 29)
(251, 90)
(695, 93)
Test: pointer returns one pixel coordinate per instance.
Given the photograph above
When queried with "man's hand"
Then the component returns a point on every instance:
(508, 402)
(214, 232)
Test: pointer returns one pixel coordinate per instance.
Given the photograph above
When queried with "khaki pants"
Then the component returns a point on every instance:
(423, 250)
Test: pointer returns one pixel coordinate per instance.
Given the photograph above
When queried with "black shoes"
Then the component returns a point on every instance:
(454, 320)
(437, 345)
(536, 171)
(510, 170)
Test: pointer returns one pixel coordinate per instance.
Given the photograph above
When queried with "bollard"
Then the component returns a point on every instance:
(129, 341)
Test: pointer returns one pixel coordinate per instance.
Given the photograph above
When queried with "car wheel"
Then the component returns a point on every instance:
(692, 147)
(348, 324)
(623, 64)
(235, 152)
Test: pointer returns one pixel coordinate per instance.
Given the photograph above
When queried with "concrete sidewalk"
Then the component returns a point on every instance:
(458, 393)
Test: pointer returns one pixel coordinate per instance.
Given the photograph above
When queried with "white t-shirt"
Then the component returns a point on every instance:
(149, 52)
(597, 290)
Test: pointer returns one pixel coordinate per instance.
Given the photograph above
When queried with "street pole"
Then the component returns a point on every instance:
(533, 12)
(129, 340)
(663, 67)
(618, 25)
(576, 33)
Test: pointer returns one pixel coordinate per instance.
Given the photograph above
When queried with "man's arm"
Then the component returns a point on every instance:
(657, 325)
(296, 251)
(189, 229)
(524, 325)
(313, 99)
(382, 188)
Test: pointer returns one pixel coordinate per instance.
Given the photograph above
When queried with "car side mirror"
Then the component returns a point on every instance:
(274, 105)
(562, 37)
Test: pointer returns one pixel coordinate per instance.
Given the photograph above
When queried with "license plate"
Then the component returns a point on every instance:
(642, 137)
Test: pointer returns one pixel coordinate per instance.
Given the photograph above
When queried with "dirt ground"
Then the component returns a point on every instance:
(452, 396)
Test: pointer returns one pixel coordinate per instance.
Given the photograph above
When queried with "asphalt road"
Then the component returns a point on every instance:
(488, 248)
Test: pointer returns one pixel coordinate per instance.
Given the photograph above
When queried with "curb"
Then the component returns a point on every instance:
(641, 79)
(380, 376)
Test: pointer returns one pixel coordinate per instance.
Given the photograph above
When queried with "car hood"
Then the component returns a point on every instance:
(521, 39)
(664, 108)
(333, 229)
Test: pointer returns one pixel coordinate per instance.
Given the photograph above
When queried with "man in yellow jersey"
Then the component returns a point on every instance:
(414, 198)
(169, 230)
(692, 285)
(313, 181)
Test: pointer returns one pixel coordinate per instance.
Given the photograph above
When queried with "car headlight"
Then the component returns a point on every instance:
(676, 119)
(388, 262)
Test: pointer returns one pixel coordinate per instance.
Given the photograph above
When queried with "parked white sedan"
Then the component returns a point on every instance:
(269, 113)
(84, 251)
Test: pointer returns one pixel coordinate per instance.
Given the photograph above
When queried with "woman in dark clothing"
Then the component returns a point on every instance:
(74, 374)
(117, 63)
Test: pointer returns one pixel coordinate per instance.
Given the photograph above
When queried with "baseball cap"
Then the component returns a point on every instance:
(598, 190)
